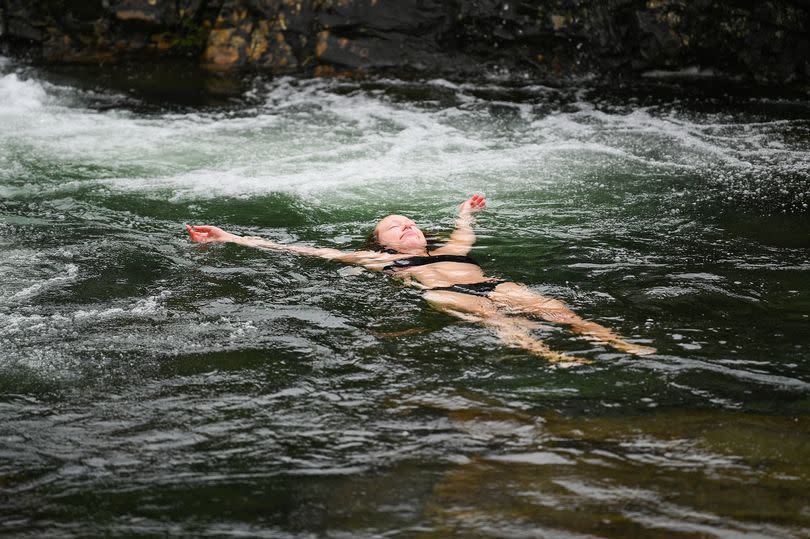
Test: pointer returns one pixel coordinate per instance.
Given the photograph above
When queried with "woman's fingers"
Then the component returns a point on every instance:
(197, 234)
(640, 350)
(476, 202)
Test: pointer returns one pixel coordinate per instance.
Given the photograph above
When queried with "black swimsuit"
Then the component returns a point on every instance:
(476, 289)
(413, 261)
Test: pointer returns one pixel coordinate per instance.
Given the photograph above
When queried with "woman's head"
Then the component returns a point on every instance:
(399, 233)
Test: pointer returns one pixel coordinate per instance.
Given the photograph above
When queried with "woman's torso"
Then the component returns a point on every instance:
(436, 271)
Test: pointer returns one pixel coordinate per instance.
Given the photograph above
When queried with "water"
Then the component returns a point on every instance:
(153, 387)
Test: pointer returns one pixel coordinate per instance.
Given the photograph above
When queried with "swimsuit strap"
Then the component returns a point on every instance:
(413, 261)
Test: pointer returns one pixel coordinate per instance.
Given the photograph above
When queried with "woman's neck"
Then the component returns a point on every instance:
(415, 252)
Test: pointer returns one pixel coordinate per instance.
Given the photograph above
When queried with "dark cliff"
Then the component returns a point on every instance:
(763, 41)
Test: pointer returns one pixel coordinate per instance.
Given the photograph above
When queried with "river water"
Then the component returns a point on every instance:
(149, 386)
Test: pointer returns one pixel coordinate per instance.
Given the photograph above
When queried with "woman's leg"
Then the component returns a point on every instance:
(518, 298)
(512, 330)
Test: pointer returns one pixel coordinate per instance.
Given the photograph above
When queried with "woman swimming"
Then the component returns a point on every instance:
(453, 282)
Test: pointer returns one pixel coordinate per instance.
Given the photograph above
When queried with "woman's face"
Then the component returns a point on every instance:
(399, 233)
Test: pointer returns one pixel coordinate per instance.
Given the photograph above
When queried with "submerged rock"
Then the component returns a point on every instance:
(554, 38)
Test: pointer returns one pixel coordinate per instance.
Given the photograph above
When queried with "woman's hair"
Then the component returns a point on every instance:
(372, 242)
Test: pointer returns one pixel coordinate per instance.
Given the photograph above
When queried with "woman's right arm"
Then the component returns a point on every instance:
(213, 234)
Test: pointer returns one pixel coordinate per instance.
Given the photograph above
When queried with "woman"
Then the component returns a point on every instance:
(453, 282)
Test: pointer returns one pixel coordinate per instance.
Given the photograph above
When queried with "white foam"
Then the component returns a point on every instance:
(16, 324)
(538, 458)
(71, 271)
(18, 96)
(688, 72)
(306, 138)
(148, 307)
(700, 276)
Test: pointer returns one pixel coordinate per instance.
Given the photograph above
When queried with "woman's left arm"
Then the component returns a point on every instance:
(463, 237)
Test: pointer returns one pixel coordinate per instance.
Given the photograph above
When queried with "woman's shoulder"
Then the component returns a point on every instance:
(375, 260)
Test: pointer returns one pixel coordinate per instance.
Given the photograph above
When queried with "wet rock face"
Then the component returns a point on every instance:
(98, 31)
(553, 38)
(264, 34)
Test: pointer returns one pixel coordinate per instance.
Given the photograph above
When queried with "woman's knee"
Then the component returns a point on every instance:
(519, 295)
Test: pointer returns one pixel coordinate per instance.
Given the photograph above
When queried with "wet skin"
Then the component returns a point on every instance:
(508, 309)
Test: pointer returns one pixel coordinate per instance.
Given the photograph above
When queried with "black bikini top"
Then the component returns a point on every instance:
(413, 261)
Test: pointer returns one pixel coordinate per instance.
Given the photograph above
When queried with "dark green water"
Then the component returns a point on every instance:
(150, 387)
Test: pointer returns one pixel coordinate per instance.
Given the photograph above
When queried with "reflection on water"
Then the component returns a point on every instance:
(674, 474)
(152, 386)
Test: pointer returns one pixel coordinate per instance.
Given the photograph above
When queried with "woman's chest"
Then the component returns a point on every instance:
(442, 272)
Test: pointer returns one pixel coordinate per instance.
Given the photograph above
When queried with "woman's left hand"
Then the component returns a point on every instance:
(209, 234)
(473, 204)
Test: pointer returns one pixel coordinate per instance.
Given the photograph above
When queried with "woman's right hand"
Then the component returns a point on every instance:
(209, 234)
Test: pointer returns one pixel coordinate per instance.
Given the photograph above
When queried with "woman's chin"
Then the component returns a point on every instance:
(412, 245)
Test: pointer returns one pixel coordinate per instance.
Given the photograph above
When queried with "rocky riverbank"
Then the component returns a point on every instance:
(765, 42)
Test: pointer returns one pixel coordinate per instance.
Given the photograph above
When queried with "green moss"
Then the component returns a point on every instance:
(192, 34)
